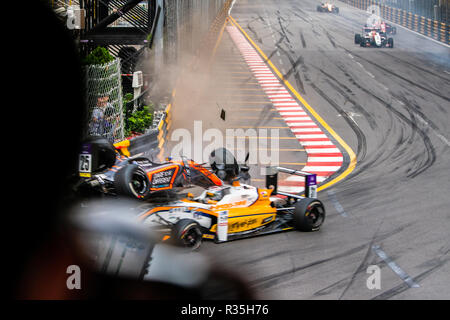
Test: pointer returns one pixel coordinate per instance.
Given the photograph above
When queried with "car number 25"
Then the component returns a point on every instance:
(85, 165)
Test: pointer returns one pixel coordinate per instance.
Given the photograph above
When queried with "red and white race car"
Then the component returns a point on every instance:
(384, 27)
(373, 38)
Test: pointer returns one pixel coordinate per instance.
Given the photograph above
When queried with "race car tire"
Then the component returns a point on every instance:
(394, 30)
(319, 8)
(131, 181)
(309, 215)
(391, 42)
(187, 233)
(336, 10)
(357, 38)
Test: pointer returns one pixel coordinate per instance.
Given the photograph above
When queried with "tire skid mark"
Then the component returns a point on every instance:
(274, 279)
(278, 13)
(399, 76)
(414, 109)
(301, 10)
(261, 18)
(340, 284)
(302, 39)
(273, 30)
(382, 154)
(362, 266)
(437, 264)
(259, 39)
(300, 17)
(345, 93)
(363, 263)
(293, 67)
(284, 30)
(296, 75)
(429, 148)
(360, 136)
(277, 44)
(330, 38)
(269, 256)
(334, 286)
(433, 73)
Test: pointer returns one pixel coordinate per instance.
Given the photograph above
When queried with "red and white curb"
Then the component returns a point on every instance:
(324, 158)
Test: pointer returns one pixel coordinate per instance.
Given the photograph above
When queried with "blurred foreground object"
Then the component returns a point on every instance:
(46, 250)
(116, 244)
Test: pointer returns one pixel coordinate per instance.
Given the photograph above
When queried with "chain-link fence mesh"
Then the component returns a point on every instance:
(105, 101)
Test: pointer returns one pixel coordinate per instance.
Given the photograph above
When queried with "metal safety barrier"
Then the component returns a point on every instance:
(151, 143)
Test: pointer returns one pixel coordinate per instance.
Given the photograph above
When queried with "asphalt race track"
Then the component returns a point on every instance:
(391, 106)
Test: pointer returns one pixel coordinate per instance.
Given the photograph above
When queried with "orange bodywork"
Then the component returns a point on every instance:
(151, 173)
(242, 216)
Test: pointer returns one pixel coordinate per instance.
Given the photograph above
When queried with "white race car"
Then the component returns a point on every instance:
(373, 38)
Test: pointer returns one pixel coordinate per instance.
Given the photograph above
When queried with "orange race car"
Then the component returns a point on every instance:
(327, 7)
(104, 169)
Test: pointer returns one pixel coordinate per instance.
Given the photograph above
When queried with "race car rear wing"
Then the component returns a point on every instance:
(310, 181)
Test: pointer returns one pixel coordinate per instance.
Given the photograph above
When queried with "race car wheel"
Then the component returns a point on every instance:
(394, 30)
(357, 38)
(319, 8)
(187, 233)
(391, 42)
(132, 181)
(309, 215)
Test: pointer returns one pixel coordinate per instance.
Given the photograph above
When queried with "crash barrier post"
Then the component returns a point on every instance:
(310, 180)
(437, 30)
